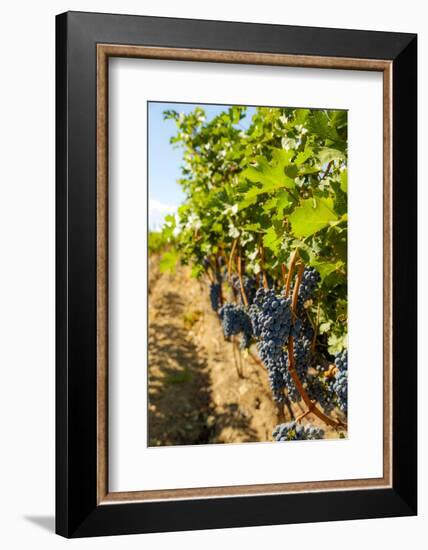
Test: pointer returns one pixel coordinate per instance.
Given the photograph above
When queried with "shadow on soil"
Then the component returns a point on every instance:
(180, 404)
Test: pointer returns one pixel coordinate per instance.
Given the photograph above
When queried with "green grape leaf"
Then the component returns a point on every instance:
(252, 227)
(337, 343)
(303, 156)
(323, 268)
(272, 241)
(312, 216)
(250, 197)
(306, 169)
(217, 228)
(327, 154)
(283, 201)
(270, 204)
(321, 125)
(271, 176)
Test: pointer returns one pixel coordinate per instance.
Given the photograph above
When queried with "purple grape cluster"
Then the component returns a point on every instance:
(292, 431)
(280, 379)
(271, 320)
(340, 385)
(308, 284)
(296, 328)
(320, 389)
(277, 383)
(235, 320)
(246, 339)
(341, 361)
(302, 352)
(302, 326)
(215, 290)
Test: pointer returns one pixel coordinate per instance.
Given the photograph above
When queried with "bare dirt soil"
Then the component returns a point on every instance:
(195, 393)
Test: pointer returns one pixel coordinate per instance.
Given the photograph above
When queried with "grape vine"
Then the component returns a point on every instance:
(265, 220)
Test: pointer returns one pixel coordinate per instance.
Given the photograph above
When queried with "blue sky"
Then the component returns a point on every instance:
(165, 194)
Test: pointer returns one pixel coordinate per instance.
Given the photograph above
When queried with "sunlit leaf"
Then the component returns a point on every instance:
(312, 216)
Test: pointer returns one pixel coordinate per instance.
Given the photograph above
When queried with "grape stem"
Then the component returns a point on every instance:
(327, 170)
(284, 273)
(213, 264)
(293, 259)
(312, 408)
(295, 297)
(241, 366)
(217, 264)
(303, 415)
(287, 405)
(241, 284)
(234, 346)
(232, 252)
(208, 274)
(256, 359)
(262, 265)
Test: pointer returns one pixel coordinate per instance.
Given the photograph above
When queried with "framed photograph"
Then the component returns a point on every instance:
(236, 274)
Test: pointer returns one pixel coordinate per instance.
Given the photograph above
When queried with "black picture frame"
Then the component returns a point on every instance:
(78, 513)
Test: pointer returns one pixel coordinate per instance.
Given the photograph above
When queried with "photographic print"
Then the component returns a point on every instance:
(213, 274)
(247, 274)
